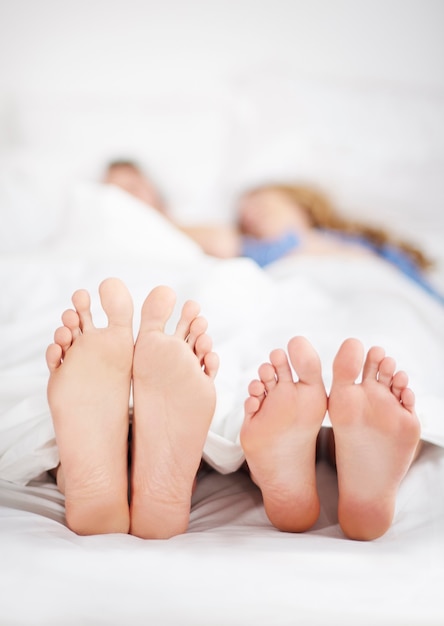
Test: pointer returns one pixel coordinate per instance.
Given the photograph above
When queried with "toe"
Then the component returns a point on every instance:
(63, 337)
(190, 311)
(82, 302)
(53, 356)
(371, 366)
(211, 364)
(305, 360)
(399, 383)
(157, 309)
(197, 329)
(281, 365)
(267, 375)
(251, 406)
(348, 362)
(386, 371)
(256, 388)
(202, 346)
(116, 302)
(408, 399)
(71, 320)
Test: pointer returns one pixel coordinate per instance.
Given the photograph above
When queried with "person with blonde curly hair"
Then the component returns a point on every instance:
(271, 210)
(279, 219)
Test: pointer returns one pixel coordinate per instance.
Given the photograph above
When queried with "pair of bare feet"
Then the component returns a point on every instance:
(91, 371)
(374, 439)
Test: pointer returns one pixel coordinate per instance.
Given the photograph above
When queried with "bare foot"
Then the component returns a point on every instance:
(376, 435)
(88, 394)
(279, 434)
(174, 403)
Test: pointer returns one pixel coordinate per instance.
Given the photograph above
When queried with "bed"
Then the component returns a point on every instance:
(232, 566)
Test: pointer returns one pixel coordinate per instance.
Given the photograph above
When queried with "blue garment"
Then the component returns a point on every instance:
(397, 257)
(408, 267)
(266, 251)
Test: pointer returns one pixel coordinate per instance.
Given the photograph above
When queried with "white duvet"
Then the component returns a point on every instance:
(250, 312)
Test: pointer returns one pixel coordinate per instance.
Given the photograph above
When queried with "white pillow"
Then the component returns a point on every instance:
(105, 222)
(33, 193)
(181, 139)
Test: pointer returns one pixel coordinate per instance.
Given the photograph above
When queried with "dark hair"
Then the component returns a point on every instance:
(124, 163)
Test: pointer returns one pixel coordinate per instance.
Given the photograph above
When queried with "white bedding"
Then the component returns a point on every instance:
(250, 312)
(231, 567)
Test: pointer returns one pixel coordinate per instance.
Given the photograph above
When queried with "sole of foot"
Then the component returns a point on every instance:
(283, 418)
(88, 395)
(174, 403)
(376, 436)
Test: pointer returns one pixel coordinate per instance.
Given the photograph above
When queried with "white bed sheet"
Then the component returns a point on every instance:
(231, 567)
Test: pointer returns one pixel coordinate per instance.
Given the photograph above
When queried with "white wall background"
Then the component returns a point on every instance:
(144, 45)
(215, 94)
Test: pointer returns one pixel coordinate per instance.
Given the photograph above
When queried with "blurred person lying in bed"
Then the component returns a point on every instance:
(279, 220)
(129, 176)
(375, 430)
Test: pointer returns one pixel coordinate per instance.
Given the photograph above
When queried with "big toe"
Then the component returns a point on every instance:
(116, 302)
(347, 364)
(305, 360)
(157, 308)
